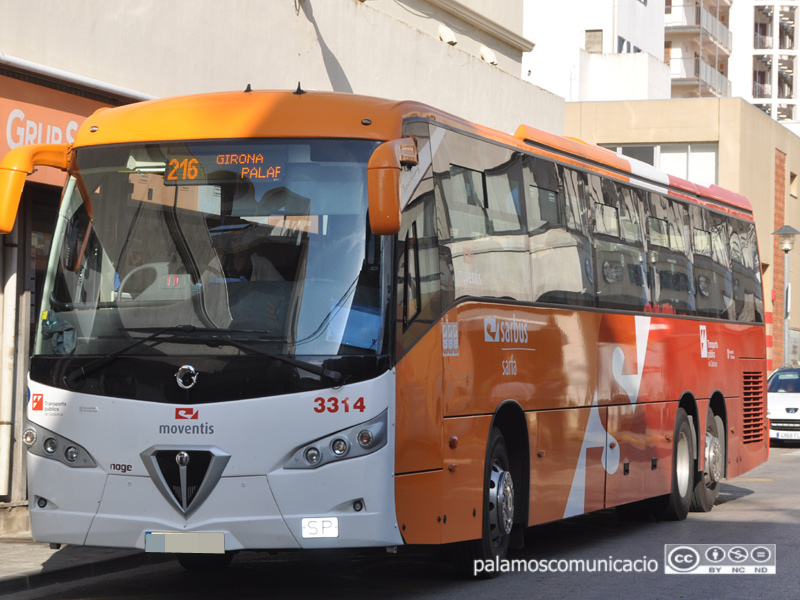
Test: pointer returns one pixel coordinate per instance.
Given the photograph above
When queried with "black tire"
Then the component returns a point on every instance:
(675, 505)
(706, 486)
(498, 512)
(205, 562)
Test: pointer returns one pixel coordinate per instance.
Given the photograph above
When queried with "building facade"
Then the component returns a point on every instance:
(697, 47)
(593, 50)
(764, 61)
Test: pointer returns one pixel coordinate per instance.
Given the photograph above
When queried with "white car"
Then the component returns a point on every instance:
(783, 405)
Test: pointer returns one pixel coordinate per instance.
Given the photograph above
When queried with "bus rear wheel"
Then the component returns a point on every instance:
(706, 487)
(675, 505)
(498, 511)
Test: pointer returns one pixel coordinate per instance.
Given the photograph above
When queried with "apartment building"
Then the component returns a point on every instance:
(764, 60)
(697, 47)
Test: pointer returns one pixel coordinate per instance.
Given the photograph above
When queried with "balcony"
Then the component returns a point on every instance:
(695, 77)
(692, 18)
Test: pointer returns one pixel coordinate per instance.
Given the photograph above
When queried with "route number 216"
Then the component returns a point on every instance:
(333, 405)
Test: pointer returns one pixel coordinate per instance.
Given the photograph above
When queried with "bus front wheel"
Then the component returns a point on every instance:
(498, 512)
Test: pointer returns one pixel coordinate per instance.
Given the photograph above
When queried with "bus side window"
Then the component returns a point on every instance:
(411, 287)
(747, 291)
(478, 187)
(618, 250)
(419, 297)
(505, 270)
(670, 268)
(556, 203)
(712, 269)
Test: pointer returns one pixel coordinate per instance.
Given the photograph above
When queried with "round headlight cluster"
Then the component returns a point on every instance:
(339, 446)
(365, 438)
(313, 455)
(50, 445)
(29, 437)
(71, 454)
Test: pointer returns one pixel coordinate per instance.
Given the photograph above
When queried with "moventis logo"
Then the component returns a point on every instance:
(187, 413)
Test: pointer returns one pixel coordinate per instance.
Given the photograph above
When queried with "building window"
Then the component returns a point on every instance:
(667, 7)
(793, 184)
(695, 162)
(594, 41)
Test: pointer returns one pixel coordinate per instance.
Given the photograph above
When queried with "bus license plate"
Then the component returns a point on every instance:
(199, 542)
(321, 527)
(789, 435)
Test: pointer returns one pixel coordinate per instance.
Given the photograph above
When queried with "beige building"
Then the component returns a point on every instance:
(726, 141)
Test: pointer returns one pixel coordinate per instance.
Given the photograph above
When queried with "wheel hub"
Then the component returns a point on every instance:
(713, 458)
(501, 500)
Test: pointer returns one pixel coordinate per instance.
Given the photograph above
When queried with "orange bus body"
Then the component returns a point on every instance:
(587, 397)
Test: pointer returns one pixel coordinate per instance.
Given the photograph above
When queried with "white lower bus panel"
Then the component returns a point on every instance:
(243, 508)
(344, 503)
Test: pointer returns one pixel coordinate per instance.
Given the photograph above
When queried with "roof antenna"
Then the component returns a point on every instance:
(299, 91)
(248, 89)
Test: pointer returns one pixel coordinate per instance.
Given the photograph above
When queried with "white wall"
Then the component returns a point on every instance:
(740, 64)
(186, 46)
(559, 63)
(642, 25)
(637, 76)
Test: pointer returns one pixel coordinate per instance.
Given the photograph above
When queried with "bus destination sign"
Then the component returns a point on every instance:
(221, 168)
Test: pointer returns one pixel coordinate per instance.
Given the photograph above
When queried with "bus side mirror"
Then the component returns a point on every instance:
(383, 183)
(16, 166)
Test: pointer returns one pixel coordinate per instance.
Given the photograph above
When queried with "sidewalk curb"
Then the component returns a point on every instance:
(38, 578)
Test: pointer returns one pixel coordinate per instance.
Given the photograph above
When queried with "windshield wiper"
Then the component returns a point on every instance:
(72, 378)
(213, 336)
(333, 376)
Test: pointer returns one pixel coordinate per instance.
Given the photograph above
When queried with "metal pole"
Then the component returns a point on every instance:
(785, 307)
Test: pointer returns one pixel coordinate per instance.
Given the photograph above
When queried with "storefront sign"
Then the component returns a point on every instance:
(33, 114)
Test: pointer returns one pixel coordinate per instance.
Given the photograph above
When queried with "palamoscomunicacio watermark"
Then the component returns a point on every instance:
(566, 565)
(719, 559)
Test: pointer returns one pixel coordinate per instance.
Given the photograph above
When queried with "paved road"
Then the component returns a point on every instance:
(758, 508)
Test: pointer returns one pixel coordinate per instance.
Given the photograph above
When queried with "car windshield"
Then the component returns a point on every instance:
(262, 242)
(785, 381)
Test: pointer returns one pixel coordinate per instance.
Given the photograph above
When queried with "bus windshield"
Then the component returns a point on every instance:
(229, 246)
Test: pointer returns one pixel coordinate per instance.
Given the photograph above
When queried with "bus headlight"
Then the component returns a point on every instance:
(29, 437)
(365, 438)
(360, 440)
(339, 446)
(313, 455)
(71, 454)
(74, 455)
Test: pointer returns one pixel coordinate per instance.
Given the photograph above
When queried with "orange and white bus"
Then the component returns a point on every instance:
(277, 320)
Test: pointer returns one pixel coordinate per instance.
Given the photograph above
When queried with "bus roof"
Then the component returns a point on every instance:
(232, 115)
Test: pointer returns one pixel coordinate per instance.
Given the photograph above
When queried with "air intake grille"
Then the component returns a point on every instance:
(753, 396)
(195, 474)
